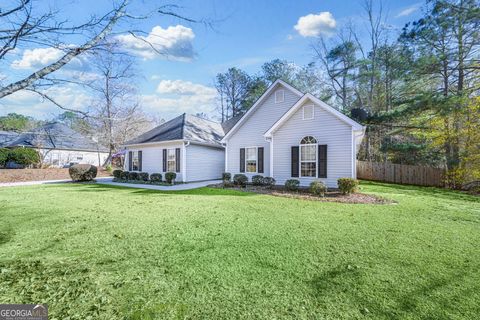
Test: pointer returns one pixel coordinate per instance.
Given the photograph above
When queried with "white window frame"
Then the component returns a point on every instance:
(256, 160)
(133, 157)
(313, 111)
(174, 160)
(277, 100)
(308, 161)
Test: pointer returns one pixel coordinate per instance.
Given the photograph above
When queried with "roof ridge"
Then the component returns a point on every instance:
(192, 115)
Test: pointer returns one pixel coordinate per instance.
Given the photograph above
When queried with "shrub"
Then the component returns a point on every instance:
(156, 177)
(292, 184)
(117, 174)
(170, 177)
(269, 182)
(82, 172)
(240, 179)
(124, 175)
(318, 188)
(347, 185)
(228, 184)
(3, 156)
(132, 176)
(143, 176)
(226, 176)
(23, 156)
(257, 180)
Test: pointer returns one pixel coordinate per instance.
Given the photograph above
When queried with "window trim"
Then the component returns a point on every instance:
(256, 159)
(300, 161)
(313, 112)
(133, 157)
(283, 96)
(174, 160)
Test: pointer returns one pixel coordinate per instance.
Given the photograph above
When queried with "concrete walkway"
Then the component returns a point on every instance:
(33, 183)
(177, 187)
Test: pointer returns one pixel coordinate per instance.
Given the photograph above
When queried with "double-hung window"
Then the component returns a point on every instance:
(251, 159)
(308, 157)
(135, 161)
(171, 160)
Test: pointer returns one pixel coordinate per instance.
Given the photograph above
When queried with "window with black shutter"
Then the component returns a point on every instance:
(322, 161)
(177, 159)
(164, 158)
(139, 160)
(260, 159)
(294, 161)
(242, 159)
(130, 158)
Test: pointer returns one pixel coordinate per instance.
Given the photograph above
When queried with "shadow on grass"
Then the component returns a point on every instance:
(423, 191)
(204, 191)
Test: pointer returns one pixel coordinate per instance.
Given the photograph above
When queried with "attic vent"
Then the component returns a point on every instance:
(308, 112)
(279, 96)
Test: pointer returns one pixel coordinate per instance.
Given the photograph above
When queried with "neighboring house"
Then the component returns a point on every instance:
(287, 134)
(60, 146)
(6, 137)
(187, 145)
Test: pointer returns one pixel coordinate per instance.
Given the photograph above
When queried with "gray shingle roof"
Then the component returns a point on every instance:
(6, 137)
(55, 136)
(184, 127)
(230, 123)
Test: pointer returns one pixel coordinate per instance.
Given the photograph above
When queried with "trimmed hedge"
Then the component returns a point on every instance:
(124, 175)
(226, 176)
(3, 156)
(240, 179)
(117, 174)
(318, 188)
(292, 184)
(20, 156)
(156, 177)
(257, 180)
(170, 177)
(143, 176)
(347, 185)
(132, 175)
(269, 182)
(82, 172)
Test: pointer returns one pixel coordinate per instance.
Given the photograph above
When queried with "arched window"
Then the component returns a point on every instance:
(308, 157)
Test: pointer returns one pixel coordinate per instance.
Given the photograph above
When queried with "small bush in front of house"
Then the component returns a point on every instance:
(240, 179)
(3, 156)
(124, 175)
(82, 172)
(318, 188)
(269, 182)
(226, 176)
(257, 180)
(132, 176)
(228, 184)
(143, 176)
(292, 184)
(117, 174)
(156, 177)
(23, 156)
(170, 177)
(347, 185)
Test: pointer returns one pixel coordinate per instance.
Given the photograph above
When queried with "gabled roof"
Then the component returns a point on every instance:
(260, 100)
(184, 127)
(355, 125)
(6, 137)
(230, 123)
(56, 136)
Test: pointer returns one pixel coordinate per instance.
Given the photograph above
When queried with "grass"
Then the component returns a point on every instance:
(100, 252)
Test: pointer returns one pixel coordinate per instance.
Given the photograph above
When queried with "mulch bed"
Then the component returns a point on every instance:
(20, 175)
(330, 196)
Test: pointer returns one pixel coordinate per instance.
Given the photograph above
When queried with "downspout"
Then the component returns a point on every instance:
(184, 161)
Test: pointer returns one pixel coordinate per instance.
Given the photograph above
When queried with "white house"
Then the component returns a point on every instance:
(61, 146)
(187, 145)
(287, 134)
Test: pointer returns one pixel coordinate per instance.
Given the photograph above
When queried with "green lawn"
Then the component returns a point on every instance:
(117, 253)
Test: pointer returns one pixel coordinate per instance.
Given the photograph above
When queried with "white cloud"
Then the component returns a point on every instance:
(315, 25)
(174, 42)
(408, 11)
(174, 97)
(34, 58)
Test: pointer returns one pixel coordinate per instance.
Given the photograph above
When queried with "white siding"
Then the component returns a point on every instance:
(152, 155)
(204, 163)
(59, 158)
(250, 133)
(327, 129)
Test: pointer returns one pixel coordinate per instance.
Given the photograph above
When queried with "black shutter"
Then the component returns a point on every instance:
(139, 160)
(177, 159)
(130, 155)
(322, 160)
(294, 161)
(242, 159)
(260, 160)
(164, 160)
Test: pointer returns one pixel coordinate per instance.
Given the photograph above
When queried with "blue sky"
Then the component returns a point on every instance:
(244, 34)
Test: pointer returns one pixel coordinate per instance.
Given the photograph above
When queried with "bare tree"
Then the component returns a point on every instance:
(233, 88)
